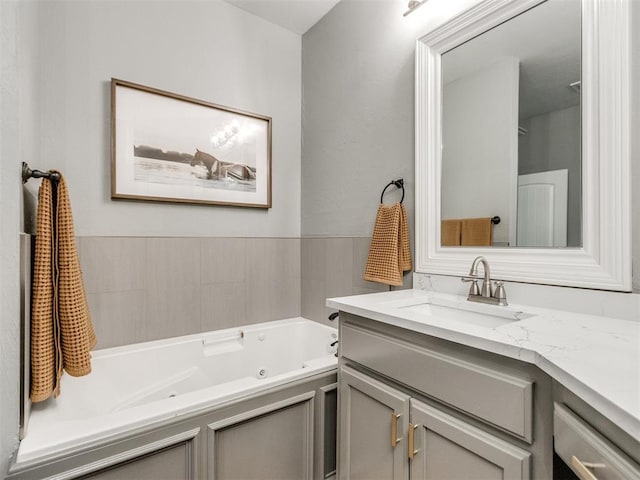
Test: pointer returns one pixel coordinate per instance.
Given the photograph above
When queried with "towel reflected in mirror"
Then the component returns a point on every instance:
(467, 232)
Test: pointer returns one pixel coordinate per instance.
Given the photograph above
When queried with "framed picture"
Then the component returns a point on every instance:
(171, 148)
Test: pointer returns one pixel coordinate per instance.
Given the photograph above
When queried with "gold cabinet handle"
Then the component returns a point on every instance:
(394, 429)
(412, 441)
(582, 468)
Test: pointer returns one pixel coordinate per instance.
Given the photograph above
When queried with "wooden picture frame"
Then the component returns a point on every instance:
(167, 147)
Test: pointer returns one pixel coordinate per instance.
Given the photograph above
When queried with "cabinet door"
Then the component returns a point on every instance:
(272, 442)
(173, 463)
(169, 456)
(372, 427)
(445, 447)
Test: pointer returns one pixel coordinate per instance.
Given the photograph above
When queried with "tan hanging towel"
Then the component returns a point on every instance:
(450, 233)
(389, 253)
(477, 232)
(62, 333)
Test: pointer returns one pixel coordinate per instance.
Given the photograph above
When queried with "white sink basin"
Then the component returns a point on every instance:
(445, 311)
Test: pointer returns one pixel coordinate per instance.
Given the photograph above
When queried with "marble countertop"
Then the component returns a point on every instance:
(597, 358)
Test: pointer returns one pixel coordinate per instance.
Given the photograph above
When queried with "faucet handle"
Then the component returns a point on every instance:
(500, 294)
(473, 289)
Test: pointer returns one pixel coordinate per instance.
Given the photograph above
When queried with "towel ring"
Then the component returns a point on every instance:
(398, 183)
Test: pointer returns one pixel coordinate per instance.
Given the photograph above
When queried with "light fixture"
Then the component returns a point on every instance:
(412, 5)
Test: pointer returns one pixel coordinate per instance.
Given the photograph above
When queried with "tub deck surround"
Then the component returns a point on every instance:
(135, 386)
(597, 358)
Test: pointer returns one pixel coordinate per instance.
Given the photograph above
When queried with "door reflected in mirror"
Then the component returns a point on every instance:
(511, 133)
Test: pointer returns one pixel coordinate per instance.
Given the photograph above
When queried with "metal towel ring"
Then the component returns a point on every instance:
(398, 183)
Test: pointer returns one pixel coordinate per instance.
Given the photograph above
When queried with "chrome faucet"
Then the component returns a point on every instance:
(485, 294)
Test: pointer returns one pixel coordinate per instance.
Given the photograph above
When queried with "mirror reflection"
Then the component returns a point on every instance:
(511, 133)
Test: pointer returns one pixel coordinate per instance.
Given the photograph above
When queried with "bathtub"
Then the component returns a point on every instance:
(137, 385)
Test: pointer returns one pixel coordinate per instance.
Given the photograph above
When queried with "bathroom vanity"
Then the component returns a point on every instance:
(432, 386)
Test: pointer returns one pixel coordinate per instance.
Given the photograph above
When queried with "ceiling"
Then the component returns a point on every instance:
(297, 16)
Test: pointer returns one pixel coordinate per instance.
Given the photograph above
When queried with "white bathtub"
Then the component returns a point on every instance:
(136, 385)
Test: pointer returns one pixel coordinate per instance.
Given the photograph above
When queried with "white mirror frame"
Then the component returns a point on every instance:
(604, 261)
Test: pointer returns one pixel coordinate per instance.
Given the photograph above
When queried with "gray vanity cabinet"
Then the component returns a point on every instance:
(417, 407)
(385, 434)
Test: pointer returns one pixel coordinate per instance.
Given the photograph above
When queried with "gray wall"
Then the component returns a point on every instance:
(358, 94)
(357, 111)
(18, 123)
(334, 267)
(358, 121)
(203, 49)
(9, 229)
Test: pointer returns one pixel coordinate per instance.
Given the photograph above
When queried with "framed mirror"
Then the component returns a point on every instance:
(501, 110)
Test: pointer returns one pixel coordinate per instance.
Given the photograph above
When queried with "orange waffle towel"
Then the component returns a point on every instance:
(61, 330)
(389, 253)
(477, 232)
(450, 233)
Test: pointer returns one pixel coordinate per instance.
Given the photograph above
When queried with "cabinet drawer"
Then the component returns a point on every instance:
(499, 399)
(576, 441)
